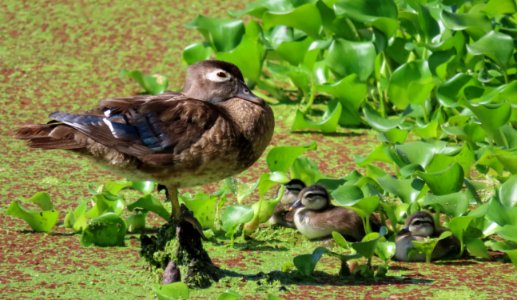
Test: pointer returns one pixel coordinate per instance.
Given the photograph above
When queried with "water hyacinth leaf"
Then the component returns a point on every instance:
(76, 219)
(406, 189)
(380, 14)
(136, 222)
(327, 124)
(42, 200)
(106, 230)
(427, 245)
(347, 195)
(175, 290)
(306, 263)
(508, 232)
(223, 35)
(512, 254)
(305, 17)
(492, 117)
(349, 57)
(410, 83)
(204, 207)
(152, 84)
(349, 89)
(150, 203)
(394, 136)
(496, 45)
(144, 186)
(495, 8)
(379, 153)
(229, 295)
(385, 250)
(458, 226)
(281, 158)
(114, 187)
(476, 247)
(500, 214)
(428, 130)
(366, 248)
(377, 122)
(248, 55)
(257, 8)
(465, 158)
(508, 192)
(340, 240)
(446, 181)
(39, 221)
(197, 52)
(294, 51)
(453, 205)
(306, 170)
(476, 24)
(449, 92)
(235, 215)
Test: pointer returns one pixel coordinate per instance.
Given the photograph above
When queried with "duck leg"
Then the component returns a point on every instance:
(200, 271)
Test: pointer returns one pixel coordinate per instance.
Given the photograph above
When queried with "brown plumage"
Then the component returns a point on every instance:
(419, 226)
(214, 129)
(316, 217)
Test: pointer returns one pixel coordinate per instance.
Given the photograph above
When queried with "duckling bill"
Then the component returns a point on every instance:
(317, 218)
(419, 226)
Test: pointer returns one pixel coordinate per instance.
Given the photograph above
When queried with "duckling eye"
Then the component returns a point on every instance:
(222, 74)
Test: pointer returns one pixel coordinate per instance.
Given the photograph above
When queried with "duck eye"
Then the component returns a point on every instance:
(222, 74)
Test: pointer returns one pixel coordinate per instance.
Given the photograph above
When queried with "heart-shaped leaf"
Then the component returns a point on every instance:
(281, 158)
(175, 290)
(446, 181)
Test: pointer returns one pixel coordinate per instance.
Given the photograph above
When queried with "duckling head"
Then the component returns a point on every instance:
(420, 224)
(292, 190)
(216, 81)
(314, 197)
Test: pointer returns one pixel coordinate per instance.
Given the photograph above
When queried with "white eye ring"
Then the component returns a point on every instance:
(218, 75)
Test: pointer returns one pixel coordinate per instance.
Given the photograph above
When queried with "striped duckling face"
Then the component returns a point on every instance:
(420, 224)
(292, 190)
(314, 197)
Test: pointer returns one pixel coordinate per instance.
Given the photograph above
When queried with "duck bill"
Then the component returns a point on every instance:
(246, 94)
(297, 204)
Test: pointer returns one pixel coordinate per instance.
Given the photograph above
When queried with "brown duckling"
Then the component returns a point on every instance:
(316, 217)
(282, 215)
(419, 226)
(214, 129)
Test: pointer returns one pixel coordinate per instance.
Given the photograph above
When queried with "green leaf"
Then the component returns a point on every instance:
(203, 207)
(328, 122)
(367, 247)
(449, 92)
(348, 57)
(144, 186)
(235, 215)
(512, 254)
(76, 219)
(294, 51)
(223, 35)
(385, 250)
(229, 295)
(40, 221)
(453, 205)
(305, 17)
(106, 230)
(373, 118)
(281, 158)
(248, 55)
(340, 240)
(500, 214)
(508, 232)
(410, 83)
(446, 181)
(508, 192)
(476, 247)
(407, 189)
(150, 203)
(175, 290)
(197, 52)
(306, 263)
(306, 170)
(136, 222)
(458, 226)
(492, 117)
(427, 245)
(495, 45)
(380, 14)
(476, 24)
(42, 200)
(152, 84)
(347, 195)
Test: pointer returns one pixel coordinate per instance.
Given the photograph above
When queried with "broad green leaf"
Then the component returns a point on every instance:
(453, 205)
(144, 186)
(197, 52)
(203, 207)
(508, 192)
(136, 222)
(306, 170)
(150, 203)
(500, 214)
(152, 84)
(446, 181)
(394, 136)
(229, 295)
(306, 263)
(427, 245)
(76, 219)
(349, 89)
(496, 45)
(410, 83)
(508, 232)
(449, 92)
(223, 35)
(380, 14)
(476, 247)
(476, 24)
(512, 254)
(175, 290)
(294, 51)
(385, 250)
(420, 153)
(407, 189)
(305, 17)
(428, 130)
(42, 200)
(106, 230)
(40, 221)
(348, 57)
(340, 240)
(114, 187)
(257, 8)
(327, 124)
(347, 195)
(235, 215)
(379, 153)
(458, 226)
(366, 248)
(492, 117)
(248, 55)
(495, 8)
(281, 158)
(377, 122)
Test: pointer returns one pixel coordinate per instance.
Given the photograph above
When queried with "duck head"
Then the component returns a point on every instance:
(420, 224)
(216, 81)
(314, 197)
(292, 190)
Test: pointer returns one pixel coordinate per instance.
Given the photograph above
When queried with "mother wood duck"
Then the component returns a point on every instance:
(215, 128)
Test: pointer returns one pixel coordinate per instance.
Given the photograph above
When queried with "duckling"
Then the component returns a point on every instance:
(282, 216)
(419, 226)
(215, 128)
(316, 217)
